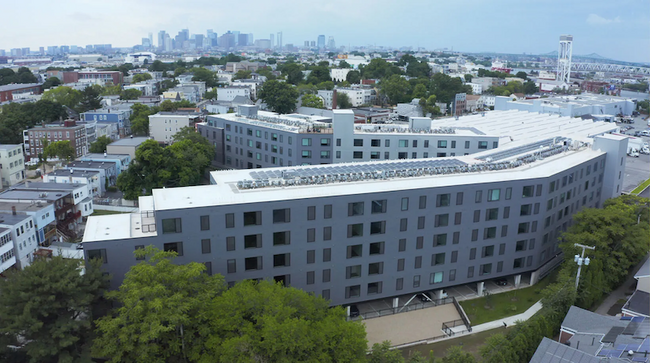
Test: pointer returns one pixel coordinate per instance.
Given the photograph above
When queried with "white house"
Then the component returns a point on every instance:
(12, 164)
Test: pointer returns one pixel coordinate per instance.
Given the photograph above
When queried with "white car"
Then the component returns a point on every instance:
(633, 153)
(645, 150)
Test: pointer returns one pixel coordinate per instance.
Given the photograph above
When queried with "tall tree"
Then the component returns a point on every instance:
(311, 100)
(90, 98)
(204, 75)
(46, 309)
(354, 77)
(267, 322)
(141, 77)
(130, 94)
(161, 315)
(381, 353)
(395, 88)
(343, 100)
(279, 96)
(63, 150)
(63, 95)
(99, 146)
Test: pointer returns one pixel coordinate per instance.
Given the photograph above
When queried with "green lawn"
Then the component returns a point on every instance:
(105, 212)
(640, 188)
(497, 306)
(470, 343)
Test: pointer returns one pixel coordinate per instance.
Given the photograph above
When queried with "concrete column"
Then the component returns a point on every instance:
(479, 288)
(438, 295)
(534, 278)
(395, 304)
(347, 311)
(517, 280)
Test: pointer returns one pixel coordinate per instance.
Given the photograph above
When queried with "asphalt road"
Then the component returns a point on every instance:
(637, 169)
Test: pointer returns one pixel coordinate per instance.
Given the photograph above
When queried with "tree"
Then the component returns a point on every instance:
(90, 98)
(445, 87)
(354, 77)
(64, 95)
(328, 85)
(379, 68)
(643, 106)
(420, 91)
(242, 74)
(130, 94)
(46, 309)
(162, 313)
(455, 354)
(99, 146)
(428, 106)
(267, 322)
(395, 88)
(51, 82)
(344, 64)
(63, 150)
(204, 75)
(110, 90)
(168, 105)
(311, 100)
(521, 74)
(530, 88)
(318, 74)
(141, 77)
(279, 96)
(343, 100)
(211, 94)
(24, 75)
(381, 353)
(158, 66)
(468, 78)
(140, 118)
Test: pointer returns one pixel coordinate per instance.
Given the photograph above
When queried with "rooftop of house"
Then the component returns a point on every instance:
(129, 141)
(45, 187)
(550, 351)
(75, 173)
(18, 86)
(644, 271)
(84, 164)
(105, 156)
(10, 146)
(9, 219)
(639, 303)
(26, 206)
(585, 99)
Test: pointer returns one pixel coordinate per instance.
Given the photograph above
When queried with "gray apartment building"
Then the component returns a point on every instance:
(257, 139)
(354, 232)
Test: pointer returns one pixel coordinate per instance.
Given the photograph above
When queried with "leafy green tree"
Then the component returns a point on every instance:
(319, 74)
(307, 89)
(63, 150)
(211, 95)
(24, 75)
(343, 100)
(530, 88)
(51, 82)
(99, 146)
(354, 77)
(130, 94)
(168, 105)
(381, 353)
(46, 309)
(344, 64)
(140, 118)
(204, 75)
(395, 88)
(445, 87)
(141, 77)
(311, 100)
(293, 72)
(428, 106)
(242, 74)
(468, 78)
(279, 96)
(167, 84)
(162, 315)
(110, 90)
(420, 91)
(90, 98)
(266, 72)
(328, 85)
(379, 68)
(522, 75)
(15, 117)
(63, 95)
(643, 106)
(266, 322)
(158, 66)
(178, 71)
(455, 354)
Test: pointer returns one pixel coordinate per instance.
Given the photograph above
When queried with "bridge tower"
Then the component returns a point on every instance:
(564, 58)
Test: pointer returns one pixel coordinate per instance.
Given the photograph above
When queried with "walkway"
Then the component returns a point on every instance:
(622, 292)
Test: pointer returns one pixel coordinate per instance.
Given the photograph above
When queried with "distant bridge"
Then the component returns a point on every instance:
(614, 68)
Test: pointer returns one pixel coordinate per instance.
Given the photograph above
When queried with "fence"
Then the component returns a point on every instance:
(462, 314)
(407, 308)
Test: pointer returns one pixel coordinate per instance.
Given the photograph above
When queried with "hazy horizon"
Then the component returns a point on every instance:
(617, 30)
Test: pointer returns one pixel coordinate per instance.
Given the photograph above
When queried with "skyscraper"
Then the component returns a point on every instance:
(280, 40)
(272, 38)
(330, 43)
(321, 41)
(236, 34)
(161, 39)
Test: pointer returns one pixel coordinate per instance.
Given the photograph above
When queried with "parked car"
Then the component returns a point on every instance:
(645, 150)
(424, 297)
(501, 282)
(633, 153)
(80, 246)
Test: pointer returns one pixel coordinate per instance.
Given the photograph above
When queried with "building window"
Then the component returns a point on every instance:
(327, 275)
(403, 224)
(438, 259)
(416, 281)
(375, 142)
(358, 142)
(399, 284)
(494, 195)
(355, 230)
(311, 235)
(327, 211)
(376, 268)
(230, 243)
(354, 251)
(253, 263)
(253, 241)
(520, 246)
(378, 206)
(378, 227)
(310, 277)
(405, 204)
(205, 223)
(523, 227)
(440, 240)
(528, 191)
(490, 233)
(518, 263)
(206, 246)
(324, 154)
(442, 144)
(306, 154)
(174, 247)
(466, 144)
(325, 142)
(478, 197)
(171, 225)
(311, 256)
(435, 277)
(306, 142)
(327, 254)
(327, 233)
(311, 213)
(376, 248)
(526, 210)
(402, 245)
(352, 291)
(403, 143)
(485, 269)
(492, 214)
(252, 218)
(374, 288)
(282, 215)
(441, 220)
(232, 266)
(357, 155)
(282, 260)
(97, 254)
(482, 145)
(443, 200)
(281, 238)
(355, 209)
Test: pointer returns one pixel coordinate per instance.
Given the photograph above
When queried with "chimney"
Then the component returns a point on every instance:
(13, 209)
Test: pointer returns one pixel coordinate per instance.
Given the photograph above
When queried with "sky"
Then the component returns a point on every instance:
(617, 29)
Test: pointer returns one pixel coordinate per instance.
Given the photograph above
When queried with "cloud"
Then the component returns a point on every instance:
(594, 19)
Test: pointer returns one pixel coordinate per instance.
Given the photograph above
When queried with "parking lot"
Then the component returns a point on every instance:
(636, 168)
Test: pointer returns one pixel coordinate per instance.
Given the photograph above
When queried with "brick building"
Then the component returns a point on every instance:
(69, 130)
(10, 92)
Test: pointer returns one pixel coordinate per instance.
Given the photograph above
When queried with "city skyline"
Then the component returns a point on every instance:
(612, 30)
